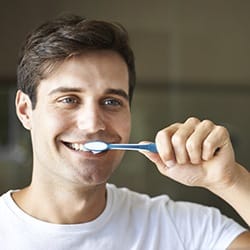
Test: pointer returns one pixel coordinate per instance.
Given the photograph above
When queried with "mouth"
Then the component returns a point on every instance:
(79, 147)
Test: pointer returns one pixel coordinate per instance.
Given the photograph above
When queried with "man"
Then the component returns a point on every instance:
(75, 83)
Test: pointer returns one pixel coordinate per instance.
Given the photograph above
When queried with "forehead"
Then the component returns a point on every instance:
(95, 70)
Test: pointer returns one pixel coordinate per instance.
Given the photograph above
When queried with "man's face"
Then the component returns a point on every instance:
(86, 98)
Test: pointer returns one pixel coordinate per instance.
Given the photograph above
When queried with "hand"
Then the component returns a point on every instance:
(196, 153)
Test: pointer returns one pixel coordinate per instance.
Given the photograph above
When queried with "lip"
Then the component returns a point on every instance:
(85, 141)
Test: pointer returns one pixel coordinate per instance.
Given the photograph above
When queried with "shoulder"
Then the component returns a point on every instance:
(206, 226)
(7, 204)
(5, 198)
(209, 226)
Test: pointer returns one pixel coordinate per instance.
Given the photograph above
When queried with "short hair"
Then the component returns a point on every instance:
(54, 41)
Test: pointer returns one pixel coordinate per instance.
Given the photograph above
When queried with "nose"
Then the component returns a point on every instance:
(90, 118)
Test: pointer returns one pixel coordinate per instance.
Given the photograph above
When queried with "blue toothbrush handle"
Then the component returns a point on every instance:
(149, 147)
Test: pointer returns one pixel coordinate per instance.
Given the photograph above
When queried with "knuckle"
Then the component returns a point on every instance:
(207, 145)
(193, 151)
(222, 130)
(193, 120)
(158, 134)
(191, 145)
(177, 140)
(207, 123)
(164, 132)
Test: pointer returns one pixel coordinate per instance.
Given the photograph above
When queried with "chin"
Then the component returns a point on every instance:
(91, 175)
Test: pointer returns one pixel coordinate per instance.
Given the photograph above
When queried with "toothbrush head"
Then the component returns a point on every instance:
(96, 147)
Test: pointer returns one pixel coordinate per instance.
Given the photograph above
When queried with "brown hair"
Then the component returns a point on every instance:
(54, 41)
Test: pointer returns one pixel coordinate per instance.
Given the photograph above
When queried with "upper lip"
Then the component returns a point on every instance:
(83, 142)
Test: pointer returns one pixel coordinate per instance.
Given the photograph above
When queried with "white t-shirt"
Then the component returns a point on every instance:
(130, 221)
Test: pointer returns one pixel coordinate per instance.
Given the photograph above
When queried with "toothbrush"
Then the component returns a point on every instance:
(101, 146)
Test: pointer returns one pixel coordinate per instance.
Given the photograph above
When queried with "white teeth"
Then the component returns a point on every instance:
(77, 147)
(82, 148)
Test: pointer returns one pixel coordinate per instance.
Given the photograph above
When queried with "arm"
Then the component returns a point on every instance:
(238, 194)
(200, 153)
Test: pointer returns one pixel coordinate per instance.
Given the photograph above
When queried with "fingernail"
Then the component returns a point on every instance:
(170, 164)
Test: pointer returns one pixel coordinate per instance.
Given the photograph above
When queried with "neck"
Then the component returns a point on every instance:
(62, 205)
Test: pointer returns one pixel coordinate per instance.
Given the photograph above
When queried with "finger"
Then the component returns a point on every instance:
(164, 143)
(218, 138)
(180, 138)
(155, 158)
(194, 144)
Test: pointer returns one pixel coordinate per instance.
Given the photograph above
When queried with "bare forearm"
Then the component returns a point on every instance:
(238, 195)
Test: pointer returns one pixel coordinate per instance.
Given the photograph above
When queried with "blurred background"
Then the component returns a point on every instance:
(192, 59)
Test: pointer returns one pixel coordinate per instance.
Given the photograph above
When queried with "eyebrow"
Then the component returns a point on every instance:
(119, 92)
(64, 90)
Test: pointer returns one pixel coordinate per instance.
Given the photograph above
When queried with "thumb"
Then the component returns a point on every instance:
(154, 157)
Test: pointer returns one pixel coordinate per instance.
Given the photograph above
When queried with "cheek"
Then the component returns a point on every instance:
(48, 122)
(127, 127)
(123, 125)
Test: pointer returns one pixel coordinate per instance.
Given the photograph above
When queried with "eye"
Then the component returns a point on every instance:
(68, 100)
(112, 102)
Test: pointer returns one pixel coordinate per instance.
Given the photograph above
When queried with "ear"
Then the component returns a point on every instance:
(24, 109)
